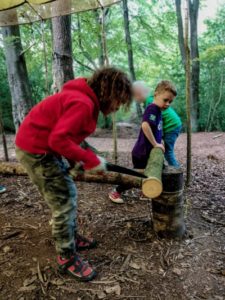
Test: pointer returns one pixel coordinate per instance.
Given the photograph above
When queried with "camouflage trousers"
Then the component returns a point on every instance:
(49, 174)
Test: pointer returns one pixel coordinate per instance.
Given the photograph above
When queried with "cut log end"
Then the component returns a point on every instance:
(152, 187)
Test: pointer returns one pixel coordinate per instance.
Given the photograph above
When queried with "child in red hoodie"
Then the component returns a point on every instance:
(53, 129)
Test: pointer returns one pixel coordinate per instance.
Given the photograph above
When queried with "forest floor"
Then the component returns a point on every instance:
(132, 262)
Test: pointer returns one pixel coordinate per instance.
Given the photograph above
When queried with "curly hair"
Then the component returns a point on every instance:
(112, 87)
(166, 85)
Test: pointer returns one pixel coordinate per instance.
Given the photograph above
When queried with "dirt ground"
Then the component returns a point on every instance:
(132, 262)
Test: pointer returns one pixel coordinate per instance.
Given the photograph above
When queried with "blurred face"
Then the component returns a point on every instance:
(163, 99)
(140, 93)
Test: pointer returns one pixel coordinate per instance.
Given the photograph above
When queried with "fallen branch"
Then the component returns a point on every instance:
(126, 262)
(212, 220)
(217, 136)
(10, 235)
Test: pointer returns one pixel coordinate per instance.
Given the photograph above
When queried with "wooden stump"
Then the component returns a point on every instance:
(168, 209)
(152, 186)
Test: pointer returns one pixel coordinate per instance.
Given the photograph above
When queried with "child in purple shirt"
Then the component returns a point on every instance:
(150, 135)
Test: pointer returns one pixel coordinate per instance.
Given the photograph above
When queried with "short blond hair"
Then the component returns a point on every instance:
(165, 85)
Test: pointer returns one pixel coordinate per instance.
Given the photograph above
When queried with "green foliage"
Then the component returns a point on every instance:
(5, 98)
(212, 59)
(153, 28)
(37, 44)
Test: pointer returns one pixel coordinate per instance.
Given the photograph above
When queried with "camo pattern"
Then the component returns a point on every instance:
(49, 174)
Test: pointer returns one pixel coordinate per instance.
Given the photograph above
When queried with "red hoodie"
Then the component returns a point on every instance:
(59, 123)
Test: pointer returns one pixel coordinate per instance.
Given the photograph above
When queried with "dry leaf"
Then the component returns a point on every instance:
(177, 271)
(28, 281)
(6, 249)
(101, 295)
(27, 288)
(113, 290)
(134, 265)
(57, 281)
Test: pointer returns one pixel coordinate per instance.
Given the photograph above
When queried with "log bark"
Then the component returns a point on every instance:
(152, 186)
(13, 168)
(168, 208)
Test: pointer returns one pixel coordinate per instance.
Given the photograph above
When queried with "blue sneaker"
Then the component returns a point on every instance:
(2, 189)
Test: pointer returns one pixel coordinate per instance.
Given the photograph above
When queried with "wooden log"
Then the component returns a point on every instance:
(13, 168)
(152, 186)
(168, 208)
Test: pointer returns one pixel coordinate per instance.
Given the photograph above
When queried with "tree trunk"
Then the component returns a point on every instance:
(62, 68)
(188, 96)
(180, 30)
(216, 104)
(130, 49)
(195, 70)
(17, 74)
(106, 63)
(98, 21)
(152, 186)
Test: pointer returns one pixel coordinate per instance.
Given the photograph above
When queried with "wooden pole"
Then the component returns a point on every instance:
(106, 63)
(152, 186)
(188, 94)
(115, 152)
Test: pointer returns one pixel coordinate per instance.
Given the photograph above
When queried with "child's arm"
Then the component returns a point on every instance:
(149, 135)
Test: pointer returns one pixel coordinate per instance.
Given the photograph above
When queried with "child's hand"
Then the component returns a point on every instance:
(100, 168)
(160, 146)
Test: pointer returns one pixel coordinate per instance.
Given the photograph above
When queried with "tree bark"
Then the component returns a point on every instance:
(195, 69)
(17, 74)
(130, 49)
(62, 68)
(152, 186)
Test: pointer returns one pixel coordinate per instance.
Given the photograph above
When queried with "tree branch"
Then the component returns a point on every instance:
(84, 52)
(83, 65)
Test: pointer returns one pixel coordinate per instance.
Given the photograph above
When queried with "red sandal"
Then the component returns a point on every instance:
(76, 267)
(83, 243)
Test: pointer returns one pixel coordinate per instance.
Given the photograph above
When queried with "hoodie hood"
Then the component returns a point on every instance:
(80, 84)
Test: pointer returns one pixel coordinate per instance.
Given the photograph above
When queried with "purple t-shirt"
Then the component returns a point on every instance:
(142, 148)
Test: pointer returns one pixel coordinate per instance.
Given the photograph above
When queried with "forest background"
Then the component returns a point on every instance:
(153, 53)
